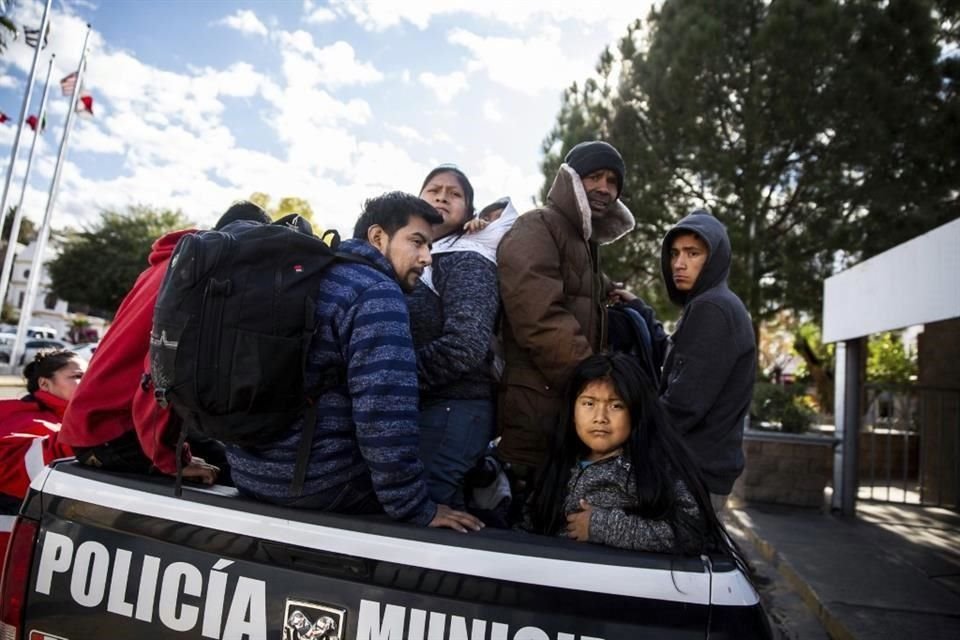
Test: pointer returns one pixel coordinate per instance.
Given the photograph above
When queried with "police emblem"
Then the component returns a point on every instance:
(311, 621)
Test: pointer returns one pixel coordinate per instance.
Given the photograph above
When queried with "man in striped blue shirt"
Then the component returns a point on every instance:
(364, 453)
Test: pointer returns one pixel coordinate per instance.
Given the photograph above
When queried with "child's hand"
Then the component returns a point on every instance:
(578, 524)
(475, 225)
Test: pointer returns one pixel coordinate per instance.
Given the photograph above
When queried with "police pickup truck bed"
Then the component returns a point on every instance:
(97, 555)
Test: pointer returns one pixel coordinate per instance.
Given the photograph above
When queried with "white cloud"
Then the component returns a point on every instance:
(333, 66)
(444, 87)
(239, 80)
(245, 21)
(379, 15)
(317, 15)
(170, 138)
(87, 136)
(528, 65)
(407, 133)
(496, 176)
(491, 111)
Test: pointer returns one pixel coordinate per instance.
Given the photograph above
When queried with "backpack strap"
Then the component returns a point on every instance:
(334, 241)
(303, 451)
(181, 439)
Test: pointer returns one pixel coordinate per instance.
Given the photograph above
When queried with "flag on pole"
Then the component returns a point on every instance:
(32, 36)
(3, 117)
(69, 84)
(85, 105)
(32, 121)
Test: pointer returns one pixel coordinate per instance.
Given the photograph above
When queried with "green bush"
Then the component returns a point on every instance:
(773, 403)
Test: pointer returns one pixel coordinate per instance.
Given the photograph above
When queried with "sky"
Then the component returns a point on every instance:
(200, 103)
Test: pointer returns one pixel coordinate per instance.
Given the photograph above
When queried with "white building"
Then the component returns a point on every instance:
(48, 309)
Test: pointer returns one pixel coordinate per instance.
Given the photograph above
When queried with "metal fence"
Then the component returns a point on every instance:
(910, 445)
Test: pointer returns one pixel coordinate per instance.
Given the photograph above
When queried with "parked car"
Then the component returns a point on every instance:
(85, 351)
(31, 348)
(48, 333)
(6, 344)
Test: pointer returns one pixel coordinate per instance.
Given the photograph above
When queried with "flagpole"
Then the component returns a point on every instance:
(36, 266)
(18, 217)
(23, 114)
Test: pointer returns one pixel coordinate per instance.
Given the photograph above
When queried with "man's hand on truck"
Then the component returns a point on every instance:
(451, 519)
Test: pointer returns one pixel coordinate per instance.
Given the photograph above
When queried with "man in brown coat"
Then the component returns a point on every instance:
(553, 296)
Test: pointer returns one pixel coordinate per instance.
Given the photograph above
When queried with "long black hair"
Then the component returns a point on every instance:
(657, 455)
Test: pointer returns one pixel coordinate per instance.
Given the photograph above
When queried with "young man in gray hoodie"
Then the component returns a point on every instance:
(710, 362)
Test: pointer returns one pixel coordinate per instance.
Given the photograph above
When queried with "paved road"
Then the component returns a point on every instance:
(891, 572)
(11, 386)
(790, 618)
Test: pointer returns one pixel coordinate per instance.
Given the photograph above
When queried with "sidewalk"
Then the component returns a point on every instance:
(11, 386)
(893, 571)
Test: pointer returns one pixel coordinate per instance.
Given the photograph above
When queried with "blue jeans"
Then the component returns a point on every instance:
(453, 436)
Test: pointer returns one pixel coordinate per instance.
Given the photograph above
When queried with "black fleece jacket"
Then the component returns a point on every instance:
(710, 365)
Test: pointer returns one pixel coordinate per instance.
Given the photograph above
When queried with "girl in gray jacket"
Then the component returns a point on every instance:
(619, 475)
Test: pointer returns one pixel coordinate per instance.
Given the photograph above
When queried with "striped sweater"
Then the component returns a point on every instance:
(367, 425)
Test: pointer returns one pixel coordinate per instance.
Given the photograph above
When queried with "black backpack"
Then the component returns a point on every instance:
(231, 329)
(628, 331)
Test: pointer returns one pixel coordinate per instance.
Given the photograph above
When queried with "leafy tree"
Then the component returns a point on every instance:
(7, 30)
(889, 361)
(285, 206)
(819, 360)
(98, 264)
(820, 131)
(28, 230)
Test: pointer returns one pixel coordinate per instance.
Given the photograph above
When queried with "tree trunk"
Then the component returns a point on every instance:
(822, 376)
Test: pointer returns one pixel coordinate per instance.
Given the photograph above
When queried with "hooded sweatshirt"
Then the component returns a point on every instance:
(710, 365)
(111, 400)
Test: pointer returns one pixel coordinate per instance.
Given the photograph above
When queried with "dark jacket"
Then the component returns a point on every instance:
(553, 297)
(452, 328)
(709, 369)
(366, 426)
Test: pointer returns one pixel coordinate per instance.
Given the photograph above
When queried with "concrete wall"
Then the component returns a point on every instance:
(785, 469)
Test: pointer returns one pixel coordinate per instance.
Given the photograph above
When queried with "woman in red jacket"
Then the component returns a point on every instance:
(29, 428)
(51, 378)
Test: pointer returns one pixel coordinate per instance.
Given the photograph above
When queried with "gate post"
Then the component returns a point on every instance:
(847, 385)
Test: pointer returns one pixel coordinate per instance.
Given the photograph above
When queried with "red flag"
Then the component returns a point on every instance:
(32, 121)
(85, 105)
(3, 117)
